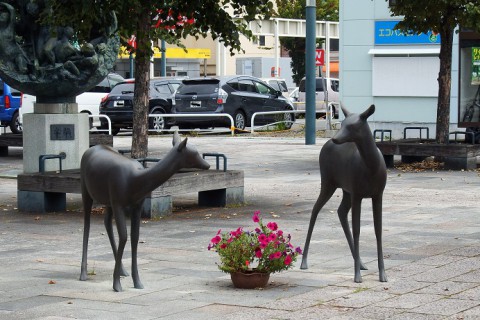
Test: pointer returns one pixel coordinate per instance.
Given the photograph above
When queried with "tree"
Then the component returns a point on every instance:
(295, 9)
(150, 20)
(442, 17)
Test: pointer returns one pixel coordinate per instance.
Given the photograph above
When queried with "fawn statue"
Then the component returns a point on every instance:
(351, 161)
(121, 184)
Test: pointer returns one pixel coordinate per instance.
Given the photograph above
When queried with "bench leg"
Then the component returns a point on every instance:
(459, 163)
(157, 207)
(3, 151)
(33, 201)
(221, 197)
(388, 160)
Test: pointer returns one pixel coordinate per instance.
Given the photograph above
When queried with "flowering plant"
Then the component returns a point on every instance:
(266, 249)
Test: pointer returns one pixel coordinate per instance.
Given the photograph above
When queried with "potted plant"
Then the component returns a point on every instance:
(251, 256)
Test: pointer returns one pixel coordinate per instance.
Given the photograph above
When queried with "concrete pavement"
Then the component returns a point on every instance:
(431, 229)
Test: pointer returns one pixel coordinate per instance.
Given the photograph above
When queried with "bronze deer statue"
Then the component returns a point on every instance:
(351, 161)
(121, 184)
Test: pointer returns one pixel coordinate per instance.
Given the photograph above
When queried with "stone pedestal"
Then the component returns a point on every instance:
(53, 129)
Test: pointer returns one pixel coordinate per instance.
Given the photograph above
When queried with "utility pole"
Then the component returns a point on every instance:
(310, 70)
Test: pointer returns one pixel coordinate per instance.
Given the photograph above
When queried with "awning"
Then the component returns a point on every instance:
(404, 51)
(333, 67)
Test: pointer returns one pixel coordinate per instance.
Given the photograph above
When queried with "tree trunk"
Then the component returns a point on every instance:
(444, 85)
(140, 100)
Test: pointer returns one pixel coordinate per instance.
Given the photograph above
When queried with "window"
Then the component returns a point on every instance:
(261, 88)
(163, 88)
(246, 85)
(261, 41)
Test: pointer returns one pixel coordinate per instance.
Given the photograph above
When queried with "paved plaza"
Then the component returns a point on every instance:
(431, 240)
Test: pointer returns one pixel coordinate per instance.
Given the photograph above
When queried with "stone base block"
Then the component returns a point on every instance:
(34, 201)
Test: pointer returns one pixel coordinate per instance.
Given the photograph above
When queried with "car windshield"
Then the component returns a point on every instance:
(198, 87)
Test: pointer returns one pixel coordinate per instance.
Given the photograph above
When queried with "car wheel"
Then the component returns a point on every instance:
(289, 119)
(15, 124)
(239, 120)
(157, 123)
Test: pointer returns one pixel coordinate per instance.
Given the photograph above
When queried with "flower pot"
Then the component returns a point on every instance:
(249, 279)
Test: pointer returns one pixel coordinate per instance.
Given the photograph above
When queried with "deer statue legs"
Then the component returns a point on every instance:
(352, 162)
(121, 184)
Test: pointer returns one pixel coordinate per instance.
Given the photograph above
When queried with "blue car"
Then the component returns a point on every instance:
(10, 103)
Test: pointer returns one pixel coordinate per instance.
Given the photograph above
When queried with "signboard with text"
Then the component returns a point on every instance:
(386, 34)
(475, 66)
(319, 57)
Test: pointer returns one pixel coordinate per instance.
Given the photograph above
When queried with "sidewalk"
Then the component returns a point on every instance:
(431, 243)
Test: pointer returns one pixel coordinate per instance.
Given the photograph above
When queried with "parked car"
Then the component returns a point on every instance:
(10, 103)
(333, 96)
(118, 104)
(294, 95)
(239, 96)
(88, 102)
(279, 85)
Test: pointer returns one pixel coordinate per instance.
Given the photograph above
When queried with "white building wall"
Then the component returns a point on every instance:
(396, 106)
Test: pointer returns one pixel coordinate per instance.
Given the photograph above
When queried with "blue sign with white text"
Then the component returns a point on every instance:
(386, 34)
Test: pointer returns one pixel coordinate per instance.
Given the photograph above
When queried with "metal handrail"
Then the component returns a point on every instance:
(108, 120)
(185, 115)
(252, 121)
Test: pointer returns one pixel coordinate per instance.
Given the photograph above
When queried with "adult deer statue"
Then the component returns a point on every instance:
(121, 184)
(351, 161)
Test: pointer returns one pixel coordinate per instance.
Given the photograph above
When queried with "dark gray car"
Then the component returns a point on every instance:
(239, 96)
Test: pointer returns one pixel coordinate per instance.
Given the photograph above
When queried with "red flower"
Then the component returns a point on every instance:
(272, 226)
(288, 260)
(223, 246)
(216, 239)
(255, 218)
(247, 263)
(272, 237)
(258, 253)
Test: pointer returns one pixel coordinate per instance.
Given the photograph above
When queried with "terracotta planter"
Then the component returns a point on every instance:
(249, 279)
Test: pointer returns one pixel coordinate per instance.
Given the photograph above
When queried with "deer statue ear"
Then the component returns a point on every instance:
(176, 138)
(367, 113)
(182, 145)
(344, 110)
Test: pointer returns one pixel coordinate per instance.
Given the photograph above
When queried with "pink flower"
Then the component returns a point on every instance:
(255, 218)
(216, 239)
(272, 237)
(288, 260)
(258, 253)
(219, 231)
(262, 238)
(298, 250)
(279, 233)
(275, 255)
(272, 226)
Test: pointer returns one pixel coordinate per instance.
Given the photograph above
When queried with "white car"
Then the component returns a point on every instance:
(333, 95)
(279, 85)
(88, 102)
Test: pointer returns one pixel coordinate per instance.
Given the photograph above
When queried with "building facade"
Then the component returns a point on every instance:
(398, 73)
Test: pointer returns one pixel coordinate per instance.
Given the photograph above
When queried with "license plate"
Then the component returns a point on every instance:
(195, 104)
(119, 103)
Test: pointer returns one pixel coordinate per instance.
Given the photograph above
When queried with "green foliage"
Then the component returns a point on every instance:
(326, 10)
(424, 16)
(266, 249)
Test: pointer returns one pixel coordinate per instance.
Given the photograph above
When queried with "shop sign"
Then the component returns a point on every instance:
(386, 34)
(475, 66)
